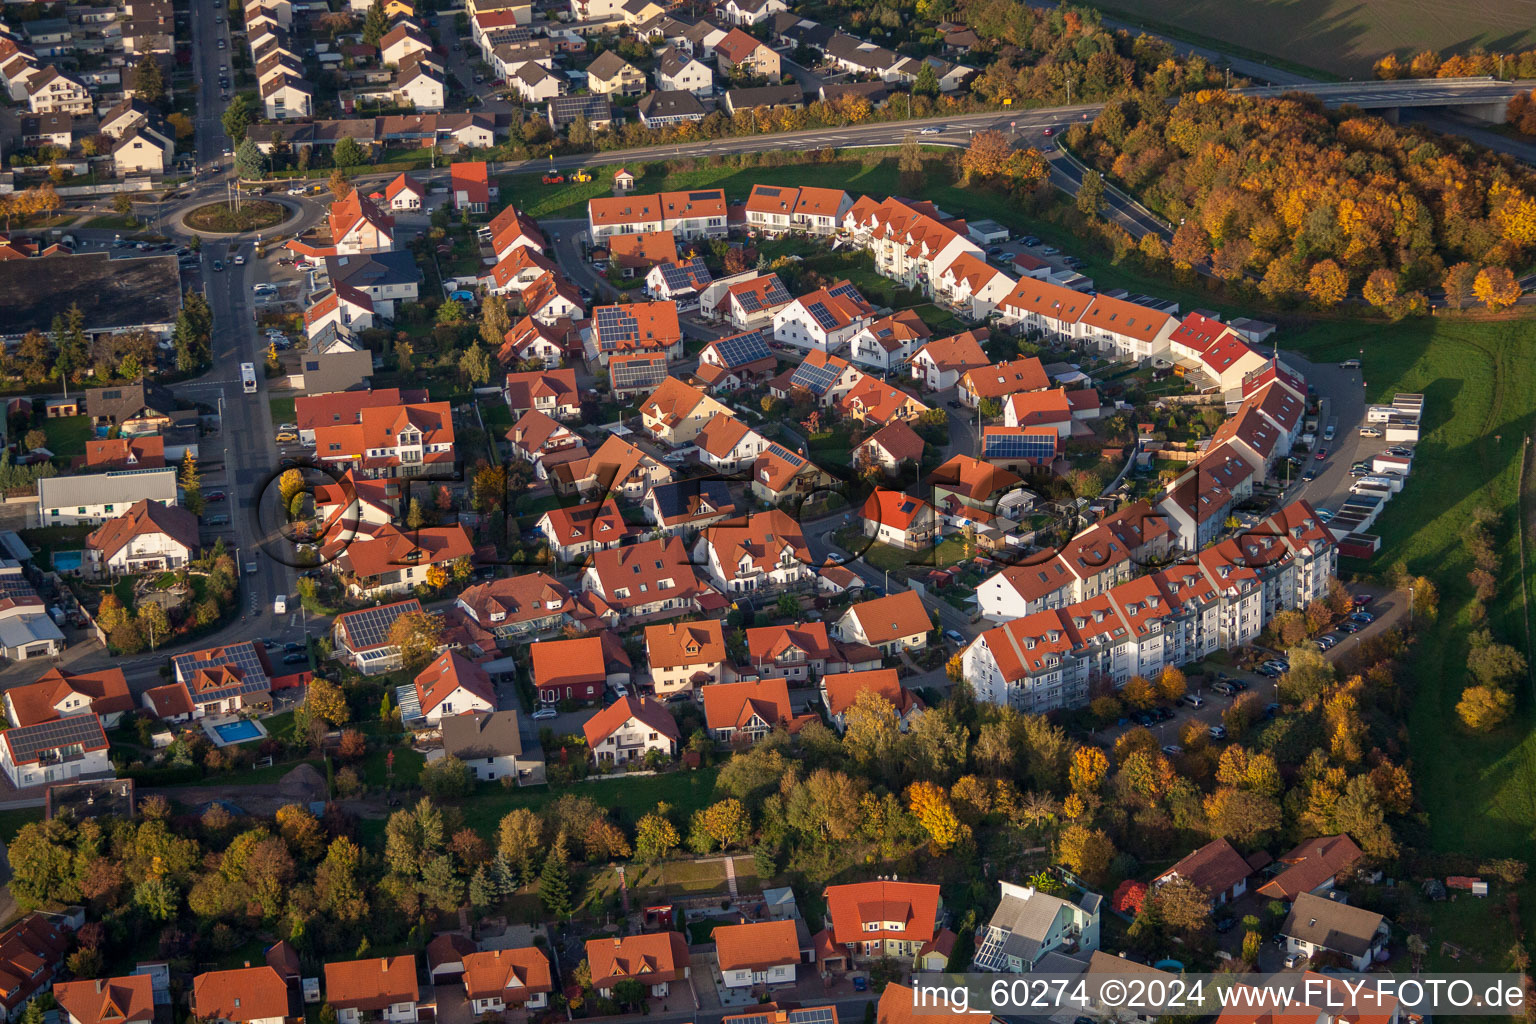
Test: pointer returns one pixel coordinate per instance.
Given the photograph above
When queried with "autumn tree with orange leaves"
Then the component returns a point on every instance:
(1327, 284)
(1496, 288)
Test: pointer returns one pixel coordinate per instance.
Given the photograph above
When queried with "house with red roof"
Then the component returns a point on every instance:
(1313, 867)
(148, 537)
(123, 1000)
(380, 989)
(888, 343)
(552, 392)
(677, 413)
(686, 656)
(552, 299)
(58, 694)
(312, 411)
(404, 194)
(514, 607)
(520, 269)
(757, 953)
(654, 578)
(746, 711)
(891, 447)
(358, 226)
(498, 979)
(891, 623)
(579, 530)
(629, 730)
(1050, 309)
(841, 690)
(142, 452)
(825, 320)
(361, 637)
(453, 685)
(1040, 409)
(655, 959)
(869, 921)
(798, 651)
(511, 230)
(248, 995)
(1125, 330)
(943, 361)
(726, 444)
(699, 213)
(65, 748)
(1216, 867)
(342, 307)
(910, 243)
(391, 441)
(762, 551)
(872, 400)
(898, 519)
(569, 670)
(1002, 380)
(634, 327)
(1197, 503)
(972, 286)
(752, 303)
(529, 341)
(965, 484)
(471, 186)
(779, 475)
(635, 253)
(392, 562)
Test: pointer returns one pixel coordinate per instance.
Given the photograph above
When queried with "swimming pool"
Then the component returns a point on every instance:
(66, 561)
(238, 732)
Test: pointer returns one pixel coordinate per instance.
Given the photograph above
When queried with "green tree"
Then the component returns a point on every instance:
(475, 365)
(926, 83)
(348, 154)
(482, 888)
(324, 700)
(446, 778)
(375, 24)
(555, 880)
(495, 321)
(237, 118)
(1090, 194)
(148, 82)
(655, 835)
(248, 160)
(441, 886)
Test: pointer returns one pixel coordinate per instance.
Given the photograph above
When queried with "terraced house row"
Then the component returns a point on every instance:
(1075, 636)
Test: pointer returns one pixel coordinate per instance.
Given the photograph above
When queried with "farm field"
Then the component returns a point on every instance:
(1480, 396)
(1340, 37)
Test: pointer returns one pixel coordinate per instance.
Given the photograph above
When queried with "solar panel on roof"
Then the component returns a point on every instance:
(370, 627)
(743, 348)
(749, 301)
(847, 290)
(29, 741)
(696, 197)
(815, 1015)
(676, 278)
(815, 379)
(638, 373)
(787, 455)
(1018, 446)
(776, 294)
(823, 315)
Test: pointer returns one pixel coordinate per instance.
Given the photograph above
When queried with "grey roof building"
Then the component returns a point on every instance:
(491, 745)
(1028, 924)
(115, 295)
(791, 96)
(668, 107)
(564, 110)
(97, 497)
(1317, 923)
(117, 405)
(381, 270)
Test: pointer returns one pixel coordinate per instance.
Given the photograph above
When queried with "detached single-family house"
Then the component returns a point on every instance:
(1312, 867)
(490, 744)
(891, 623)
(247, 995)
(746, 711)
(581, 529)
(758, 953)
(453, 685)
(59, 694)
(1317, 924)
(1028, 924)
(841, 690)
(498, 979)
(612, 75)
(655, 959)
(148, 537)
(628, 730)
(685, 656)
(898, 519)
(569, 670)
(1216, 867)
(380, 989)
(869, 921)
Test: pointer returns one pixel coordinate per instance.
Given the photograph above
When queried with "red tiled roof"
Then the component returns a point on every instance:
(733, 705)
(756, 946)
(448, 673)
(107, 1000)
(650, 958)
(910, 908)
(145, 518)
(245, 994)
(603, 724)
(563, 662)
(510, 974)
(371, 984)
(106, 690)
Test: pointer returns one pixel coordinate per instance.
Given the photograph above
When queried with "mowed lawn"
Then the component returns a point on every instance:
(1343, 37)
(1479, 386)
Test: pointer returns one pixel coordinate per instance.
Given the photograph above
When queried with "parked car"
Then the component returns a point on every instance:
(1031, 240)
(1364, 618)
(543, 714)
(1363, 600)
(296, 191)
(1193, 700)
(954, 636)
(286, 437)
(213, 496)
(216, 520)
(1348, 627)
(295, 658)
(1223, 687)
(1173, 750)
(1326, 642)
(1369, 432)
(1225, 924)
(1270, 711)
(1163, 714)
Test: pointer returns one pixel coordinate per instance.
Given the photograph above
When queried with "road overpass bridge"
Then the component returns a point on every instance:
(1482, 98)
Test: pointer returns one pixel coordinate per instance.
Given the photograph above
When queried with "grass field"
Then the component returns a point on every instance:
(1479, 383)
(67, 435)
(1342, 37)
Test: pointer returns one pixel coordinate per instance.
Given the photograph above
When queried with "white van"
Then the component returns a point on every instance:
(280, 605)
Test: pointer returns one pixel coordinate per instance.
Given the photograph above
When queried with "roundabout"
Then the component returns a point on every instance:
(218, 218)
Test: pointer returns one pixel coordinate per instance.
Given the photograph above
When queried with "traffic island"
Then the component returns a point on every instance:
(221, 218)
